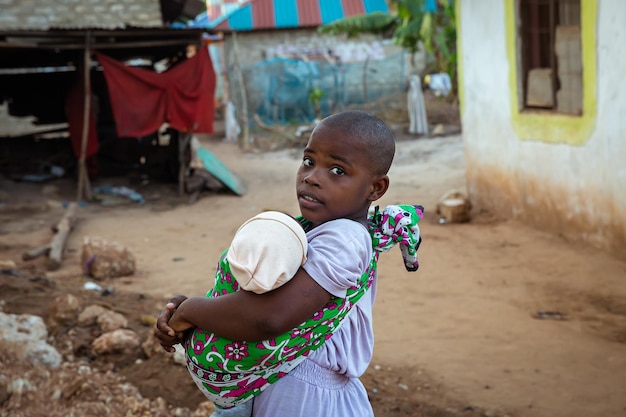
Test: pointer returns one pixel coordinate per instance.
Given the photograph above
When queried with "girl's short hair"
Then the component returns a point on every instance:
(378, 139)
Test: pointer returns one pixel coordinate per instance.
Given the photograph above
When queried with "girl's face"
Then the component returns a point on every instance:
(335, 179)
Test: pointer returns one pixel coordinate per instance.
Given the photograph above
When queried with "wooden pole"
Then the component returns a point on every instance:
(224, 73)
(364, 78)
(83, 176)
(63, 229)
(36, 252)
(184, 139)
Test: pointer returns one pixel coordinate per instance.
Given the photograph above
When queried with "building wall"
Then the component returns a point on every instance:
(259, 45)
(383, 65)
(565, 174)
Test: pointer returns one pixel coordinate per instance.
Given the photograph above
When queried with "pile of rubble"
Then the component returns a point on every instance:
(70, 366)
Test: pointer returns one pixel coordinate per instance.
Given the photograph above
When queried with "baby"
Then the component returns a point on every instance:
(266, 251)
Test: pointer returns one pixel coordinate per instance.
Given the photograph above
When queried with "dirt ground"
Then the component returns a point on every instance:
(462, 336)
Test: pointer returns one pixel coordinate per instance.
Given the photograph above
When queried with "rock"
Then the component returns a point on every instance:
(64, 309)
(7, 264)
(89, 316)
(102, 259)
(4, 390)
(147, 320)
(25, 336)
(117, 341)
(205, 408)
(439, 130)
(106, 319)
(19, 386)
(111, 320)
(151, 346)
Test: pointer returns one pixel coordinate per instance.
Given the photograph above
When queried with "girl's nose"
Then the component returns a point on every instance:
(311, 178)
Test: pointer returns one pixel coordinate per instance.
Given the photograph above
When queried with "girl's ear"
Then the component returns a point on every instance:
(379, 188)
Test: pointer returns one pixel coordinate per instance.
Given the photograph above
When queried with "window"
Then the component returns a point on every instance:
(551, 123)
(551, 55)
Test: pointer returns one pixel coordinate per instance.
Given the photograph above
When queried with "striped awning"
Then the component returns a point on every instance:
(282, 14)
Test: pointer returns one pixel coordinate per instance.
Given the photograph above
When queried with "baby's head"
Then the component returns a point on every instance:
(267, 251)
(344, 167)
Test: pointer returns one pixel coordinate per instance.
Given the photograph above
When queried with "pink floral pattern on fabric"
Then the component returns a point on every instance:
(231, 372)
(398, 224)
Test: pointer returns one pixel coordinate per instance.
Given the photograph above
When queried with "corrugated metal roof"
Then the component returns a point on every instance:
(282, 14)
(219, 8)
(79, 14)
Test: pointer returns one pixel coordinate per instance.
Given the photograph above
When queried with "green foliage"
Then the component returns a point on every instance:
(407, 35)
(316, 95)
(315, 98)
(376, 23)
(408, 25)
(410, 14)
(409, 9)
(438, 32)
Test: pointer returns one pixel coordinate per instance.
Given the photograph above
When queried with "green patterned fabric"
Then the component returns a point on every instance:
(230, 372)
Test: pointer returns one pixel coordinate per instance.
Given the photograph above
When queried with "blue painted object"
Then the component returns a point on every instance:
(220, 171)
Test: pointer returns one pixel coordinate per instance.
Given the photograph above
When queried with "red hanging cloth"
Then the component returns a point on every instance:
(143, 100)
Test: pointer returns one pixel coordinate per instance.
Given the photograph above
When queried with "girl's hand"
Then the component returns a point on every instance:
(179, 324)
(169, 335)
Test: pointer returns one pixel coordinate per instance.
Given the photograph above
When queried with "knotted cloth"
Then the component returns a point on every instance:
(398, 224)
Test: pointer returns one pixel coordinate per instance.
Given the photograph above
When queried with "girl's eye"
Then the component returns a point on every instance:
(306, 161)
(337, 171)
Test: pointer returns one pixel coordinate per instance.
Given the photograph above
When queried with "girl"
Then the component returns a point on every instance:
(344, 169)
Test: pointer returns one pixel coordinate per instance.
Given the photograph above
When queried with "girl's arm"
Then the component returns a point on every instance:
(244, 315)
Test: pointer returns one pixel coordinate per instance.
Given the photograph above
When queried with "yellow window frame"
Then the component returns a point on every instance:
(550, 126)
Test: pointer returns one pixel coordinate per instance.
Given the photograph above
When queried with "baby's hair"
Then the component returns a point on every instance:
(376, 136)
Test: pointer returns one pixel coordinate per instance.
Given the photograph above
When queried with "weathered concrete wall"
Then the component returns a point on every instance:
(260, 45)
(566, 174)
(364, 71)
